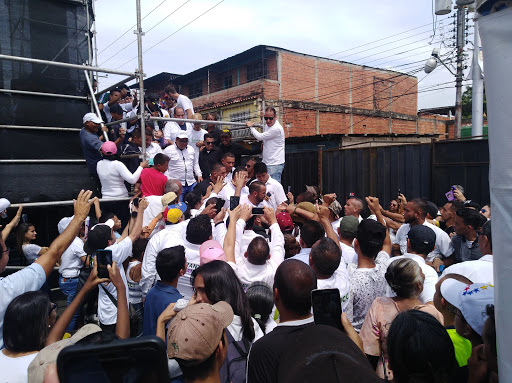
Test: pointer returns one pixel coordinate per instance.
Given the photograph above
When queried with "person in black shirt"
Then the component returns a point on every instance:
(208, 155)
(238, 150)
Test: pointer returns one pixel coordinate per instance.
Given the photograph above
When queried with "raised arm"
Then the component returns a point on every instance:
(123, 317)
(11, 225)
(229, 240)
(277, 240)
(373, 204)
(62, 242)
(323, 214)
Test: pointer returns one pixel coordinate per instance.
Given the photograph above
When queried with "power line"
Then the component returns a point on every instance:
(172, 34)
(129, 29)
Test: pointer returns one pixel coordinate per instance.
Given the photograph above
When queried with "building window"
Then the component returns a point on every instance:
(195, 89)
(240, 117)
(257, 70)
(228, 81)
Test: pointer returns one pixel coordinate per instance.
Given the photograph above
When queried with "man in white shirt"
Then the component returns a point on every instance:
(102, 236)
(273, 143)
(347, 232)
(172, 128)
(196, 134)
(256, 196)
(331, 272)
(260, 262)
(228, 160)
(415, 212)
(275, 191)
(183, 163)
(181, 100)
(235, 187)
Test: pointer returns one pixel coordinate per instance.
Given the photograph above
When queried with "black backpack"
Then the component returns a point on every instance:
(234, 368)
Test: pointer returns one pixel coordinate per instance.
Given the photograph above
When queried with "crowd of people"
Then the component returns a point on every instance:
(209, 254)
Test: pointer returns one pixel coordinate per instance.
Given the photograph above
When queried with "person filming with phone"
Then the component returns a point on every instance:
(101, 241)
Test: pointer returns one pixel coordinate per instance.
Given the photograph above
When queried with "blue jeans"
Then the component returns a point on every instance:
(275, 171)
(68, 287)
(136, 319)
(186, 190)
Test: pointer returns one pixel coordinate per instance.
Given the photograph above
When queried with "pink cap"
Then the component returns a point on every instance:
(211, 251)
(109, 148)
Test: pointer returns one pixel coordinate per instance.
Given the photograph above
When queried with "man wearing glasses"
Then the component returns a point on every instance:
(209, 155)
(273, 143)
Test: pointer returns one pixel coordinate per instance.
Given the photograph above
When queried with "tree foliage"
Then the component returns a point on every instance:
(467, 102)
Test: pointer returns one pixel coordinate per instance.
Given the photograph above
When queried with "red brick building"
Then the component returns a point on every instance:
(312, 95)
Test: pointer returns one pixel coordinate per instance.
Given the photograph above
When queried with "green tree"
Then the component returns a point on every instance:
(467, 102)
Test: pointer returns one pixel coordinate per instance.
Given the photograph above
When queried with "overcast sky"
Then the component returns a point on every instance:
(325, 28)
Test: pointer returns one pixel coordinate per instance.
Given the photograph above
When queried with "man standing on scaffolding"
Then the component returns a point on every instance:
(273, 143)
(181, 100)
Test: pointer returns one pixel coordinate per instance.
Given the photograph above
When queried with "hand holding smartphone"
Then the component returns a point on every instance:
(327, 307)
(104, 258)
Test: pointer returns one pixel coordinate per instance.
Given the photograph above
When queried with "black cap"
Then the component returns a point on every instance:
(432, 209)
(369, 228)
(422, 238)
(97, 238)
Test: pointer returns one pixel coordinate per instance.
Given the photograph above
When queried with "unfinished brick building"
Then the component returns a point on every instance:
(312, 95)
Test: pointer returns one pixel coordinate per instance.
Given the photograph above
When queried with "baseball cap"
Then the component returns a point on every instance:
(422, 235)
(92, 117)
(109, 148)
(336, 209)
(98, 237)
(49, 354)
(371, 229)
(4, 204)
(211, 250)
(349, 226)
(285, 221)
(432, 209)
(182, 134)
(196, 331)
(173, 213)
(63, 224)
(167, 198)
(471, 300)
(306, 206)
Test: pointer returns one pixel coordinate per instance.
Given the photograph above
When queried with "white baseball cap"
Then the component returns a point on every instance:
(92, 117)
(471, 300)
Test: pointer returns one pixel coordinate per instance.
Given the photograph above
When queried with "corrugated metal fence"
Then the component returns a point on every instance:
(423, 170)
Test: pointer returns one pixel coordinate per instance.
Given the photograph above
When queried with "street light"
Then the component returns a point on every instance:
(430, 65)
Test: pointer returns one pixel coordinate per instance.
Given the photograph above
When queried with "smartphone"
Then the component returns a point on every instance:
(449, 195)
(327, 307)
(104, 258)
(234, 201)
(289, 189)
(86, 226)
(151, 162)
(24, 218)
(257, 211)
(125, 360)
(219, 205)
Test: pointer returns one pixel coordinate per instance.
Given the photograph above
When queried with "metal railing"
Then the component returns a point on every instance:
(31, 93)
(63, 203)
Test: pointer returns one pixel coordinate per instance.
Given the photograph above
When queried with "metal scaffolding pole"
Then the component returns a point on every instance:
(122, 120)
(140, 75)
(30, 93)
(42, 161)
(39, 128)
(62, 203)
(93, 99)
(211, 122)
(129, 78)
(65, 65)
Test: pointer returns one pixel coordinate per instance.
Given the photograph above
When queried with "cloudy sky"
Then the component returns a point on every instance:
(396, 35)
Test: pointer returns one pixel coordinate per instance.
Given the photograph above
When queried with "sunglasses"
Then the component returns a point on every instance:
(209, 143)
(268, 118)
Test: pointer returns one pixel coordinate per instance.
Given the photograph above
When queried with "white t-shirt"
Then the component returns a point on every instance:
(245, 200)
(70, 261)
(31, 251)
(15, 370)
(195, 136)
(229, 191)
(112, 175)
(107, 312)
(276, 191)
(185, 103)
(273, 143)
(431, 278)
(185, 286)
(478, 271)
(171, 130)
(443, 241)
(235, 329)
(338, 280)
(348, 254)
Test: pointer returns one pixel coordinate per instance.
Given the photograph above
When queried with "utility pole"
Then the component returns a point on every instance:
(461, 18)
(140, 75)
(477, 113)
